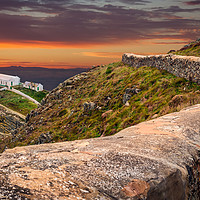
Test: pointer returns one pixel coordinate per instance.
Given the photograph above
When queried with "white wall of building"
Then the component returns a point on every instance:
(33, 86)
(9, 80)
(39, 87)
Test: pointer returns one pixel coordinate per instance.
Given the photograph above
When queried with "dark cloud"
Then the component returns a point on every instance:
(183, 43)
(176, 9)
(197, 2)
(93, 24)
(46, 6)
(49, 6)
(130, 2)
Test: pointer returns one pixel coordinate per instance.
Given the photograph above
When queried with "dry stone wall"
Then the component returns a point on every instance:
(187, 67)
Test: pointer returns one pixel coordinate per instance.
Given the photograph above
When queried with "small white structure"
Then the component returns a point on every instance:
(33, 86)
(8, 80)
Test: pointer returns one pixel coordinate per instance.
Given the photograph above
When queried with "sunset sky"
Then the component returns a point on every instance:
(81, 33)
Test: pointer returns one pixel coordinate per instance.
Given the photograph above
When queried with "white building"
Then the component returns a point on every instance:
(34, 86)
(7, 80)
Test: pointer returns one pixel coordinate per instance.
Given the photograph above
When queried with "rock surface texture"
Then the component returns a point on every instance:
(187, 67)
(9, 121)
(155, 160)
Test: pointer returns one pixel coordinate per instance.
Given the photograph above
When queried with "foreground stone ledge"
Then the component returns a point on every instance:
(158, 160)
(187, 67)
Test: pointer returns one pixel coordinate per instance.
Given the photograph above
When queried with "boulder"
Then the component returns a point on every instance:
(137, 90)
(132, 90)
(14, 132)
(126, 98)
(68, 82)
(154, 160)
(172, 51)
(27, 118)
(89, 106)
(129, 92)
(45, 138)
(69, 87)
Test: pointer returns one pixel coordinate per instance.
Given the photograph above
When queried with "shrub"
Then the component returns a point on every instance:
(108, 70)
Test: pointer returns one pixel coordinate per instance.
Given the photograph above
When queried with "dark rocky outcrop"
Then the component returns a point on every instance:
(191, 44)
(129, 92)
(172, 51)
(154, 160)
(88, 106)
(45, 138)
(9, 121)
(33, 113)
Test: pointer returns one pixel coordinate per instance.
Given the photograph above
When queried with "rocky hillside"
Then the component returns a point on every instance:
(191, 49)
(104, 101)
(154, 160)
(9, 122)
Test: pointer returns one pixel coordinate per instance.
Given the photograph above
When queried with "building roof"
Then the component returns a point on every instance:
(32, 84)
(27, 82)
(7, 77)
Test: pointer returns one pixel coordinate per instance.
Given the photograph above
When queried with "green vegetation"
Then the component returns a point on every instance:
(16, 102)
(161, 93)
(192, 50)
(109, 69)
(32, 93)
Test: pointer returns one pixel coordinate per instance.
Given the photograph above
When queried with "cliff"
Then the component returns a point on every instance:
(158, 159)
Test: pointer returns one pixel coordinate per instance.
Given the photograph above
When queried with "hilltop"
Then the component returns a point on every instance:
(191, 49)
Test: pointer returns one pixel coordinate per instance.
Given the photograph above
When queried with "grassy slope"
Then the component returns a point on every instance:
(32, 93)
(68, 121)
(192, 50)
(16, 102)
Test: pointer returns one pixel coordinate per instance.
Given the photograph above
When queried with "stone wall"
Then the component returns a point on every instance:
(187, 67)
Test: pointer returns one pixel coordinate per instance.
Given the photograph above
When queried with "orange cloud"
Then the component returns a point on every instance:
(103, 54)
(45, 45)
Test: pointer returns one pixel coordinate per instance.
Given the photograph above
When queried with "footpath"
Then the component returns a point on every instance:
(13, 112)
(2, 89)
(24, 95)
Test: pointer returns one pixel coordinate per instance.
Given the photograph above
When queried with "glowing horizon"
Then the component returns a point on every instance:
(66, 34)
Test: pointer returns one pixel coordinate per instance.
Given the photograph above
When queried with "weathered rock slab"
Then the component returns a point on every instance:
(155, 160)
